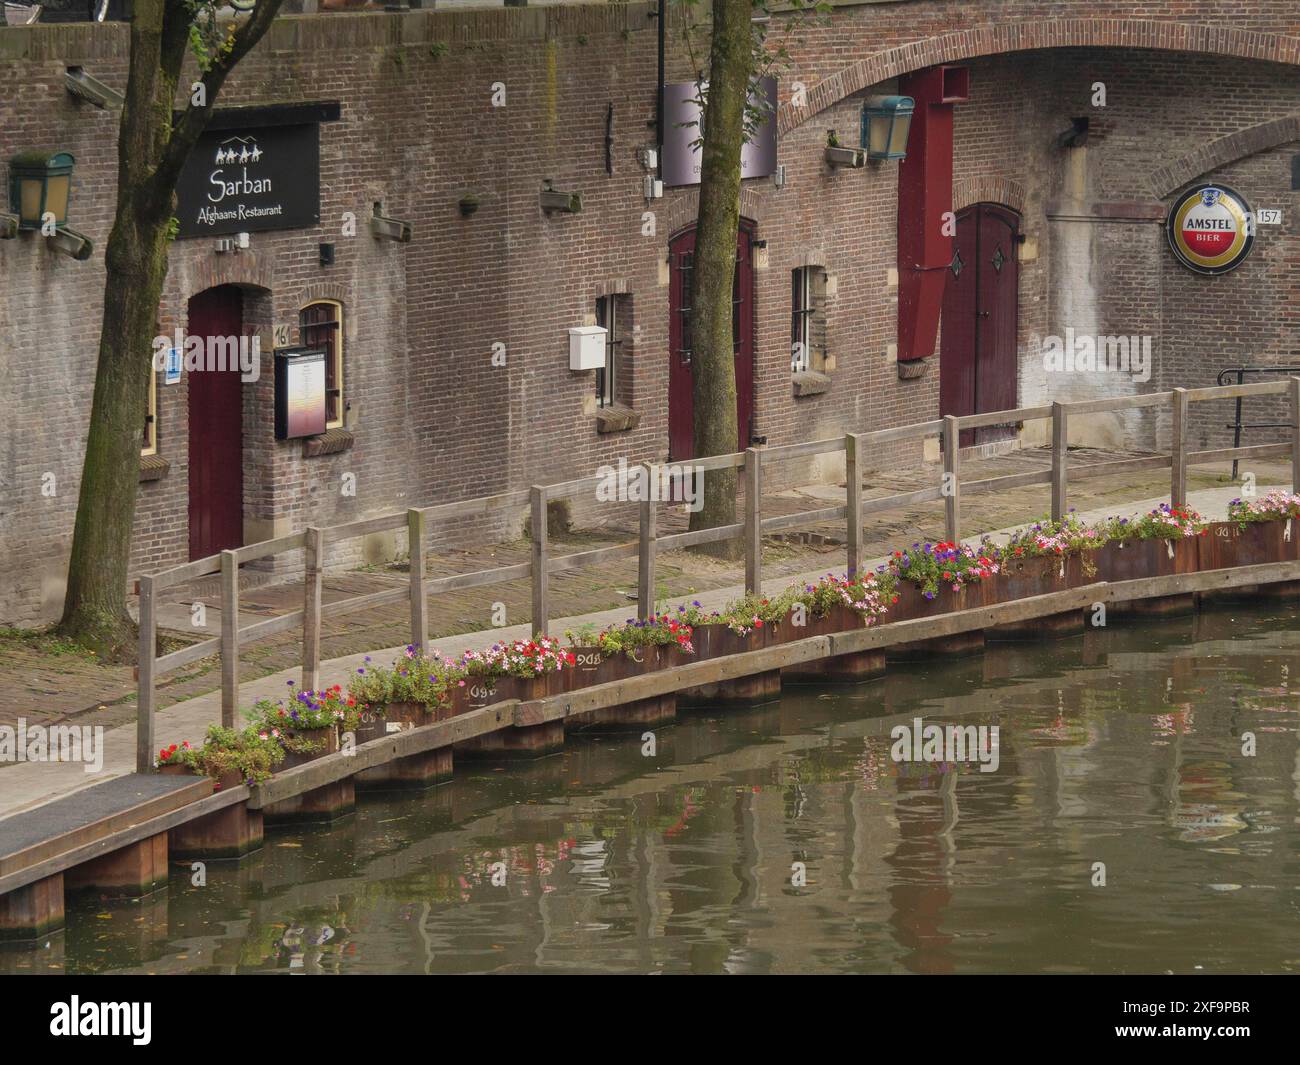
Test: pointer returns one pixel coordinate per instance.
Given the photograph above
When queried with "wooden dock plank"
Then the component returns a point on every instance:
(93, 813)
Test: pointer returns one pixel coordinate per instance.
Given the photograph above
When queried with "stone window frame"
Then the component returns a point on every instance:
(336, 360)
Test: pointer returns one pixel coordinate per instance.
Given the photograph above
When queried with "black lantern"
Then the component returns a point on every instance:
(886, 121)
(40, 183)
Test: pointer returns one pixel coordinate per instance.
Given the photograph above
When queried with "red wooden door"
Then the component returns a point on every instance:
(977, 356)
(216, 488)
(681, 378)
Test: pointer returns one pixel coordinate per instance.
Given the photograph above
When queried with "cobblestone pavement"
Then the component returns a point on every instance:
(44, 681)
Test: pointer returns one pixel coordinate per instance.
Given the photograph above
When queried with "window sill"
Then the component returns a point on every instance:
(153, 467)
(616, 419)
(330, 442)
(810, 383)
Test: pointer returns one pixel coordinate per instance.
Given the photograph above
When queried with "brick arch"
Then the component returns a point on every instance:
(988, 189)
(1258, 138)
(992, 39)
(231, 268)
(685, 208)
(322, 290)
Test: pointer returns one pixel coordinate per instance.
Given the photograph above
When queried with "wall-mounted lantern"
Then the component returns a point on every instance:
(40, 183)
(886, 122)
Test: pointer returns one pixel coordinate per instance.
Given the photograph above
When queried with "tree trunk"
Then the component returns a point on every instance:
(95, 611)
(151, 149)
(712, 343)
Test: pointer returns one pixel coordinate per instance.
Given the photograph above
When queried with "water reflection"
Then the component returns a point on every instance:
(1127, 748)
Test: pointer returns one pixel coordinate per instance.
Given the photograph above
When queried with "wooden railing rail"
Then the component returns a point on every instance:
(649, 544)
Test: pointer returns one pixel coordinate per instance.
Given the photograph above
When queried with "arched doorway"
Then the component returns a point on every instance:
(977, 353)
(681, 379)
(216, 417)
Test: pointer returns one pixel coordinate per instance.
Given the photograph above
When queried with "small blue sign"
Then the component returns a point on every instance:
(172, 368)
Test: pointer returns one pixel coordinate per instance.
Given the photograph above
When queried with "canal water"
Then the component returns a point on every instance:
(786, 839)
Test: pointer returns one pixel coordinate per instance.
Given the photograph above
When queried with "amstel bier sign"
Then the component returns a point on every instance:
(1211, 229)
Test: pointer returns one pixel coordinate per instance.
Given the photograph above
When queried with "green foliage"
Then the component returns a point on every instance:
(413, 678)
(249, 752)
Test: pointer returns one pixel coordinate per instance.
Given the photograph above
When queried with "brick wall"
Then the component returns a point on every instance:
(434, 420)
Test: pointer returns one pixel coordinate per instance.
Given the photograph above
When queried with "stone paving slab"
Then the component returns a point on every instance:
(28, 785)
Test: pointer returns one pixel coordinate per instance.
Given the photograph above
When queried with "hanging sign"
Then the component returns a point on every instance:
(250, 179)
(681, 158)
(1211, 229)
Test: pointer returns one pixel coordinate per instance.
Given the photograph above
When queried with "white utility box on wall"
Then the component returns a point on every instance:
(587, 347)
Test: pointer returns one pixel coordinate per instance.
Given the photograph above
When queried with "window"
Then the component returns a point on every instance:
(149, 439)
(615, 314)
(321, 326)
(607, 315)
(808, 320)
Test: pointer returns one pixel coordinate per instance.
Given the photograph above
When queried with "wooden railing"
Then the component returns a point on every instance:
(646, 548)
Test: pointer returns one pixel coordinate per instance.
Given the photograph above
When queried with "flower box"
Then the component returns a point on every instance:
(1124, 560)
(1227, 544)
(594, 667)
(413, 771)
(912, 604)
(851, 668)
(1023, 578)
(717, 640)
(324, 740)
(591, 666)
(321, 804)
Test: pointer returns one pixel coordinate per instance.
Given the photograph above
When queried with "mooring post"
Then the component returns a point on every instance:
(1294, 389)
(229, 637)
(145, 696)
(537, 497)
(853, 498)
(313, 551)
(647, 548)
(753, 520)
(1178, 450)
(1060, 452)
(415, 530)
(951, 485)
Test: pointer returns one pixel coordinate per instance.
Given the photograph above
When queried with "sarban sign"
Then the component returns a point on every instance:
(250, 180)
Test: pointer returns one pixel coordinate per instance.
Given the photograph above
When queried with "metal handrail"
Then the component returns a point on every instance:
(1237, 425)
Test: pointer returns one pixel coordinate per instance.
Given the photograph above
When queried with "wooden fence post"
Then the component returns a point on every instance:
(1295, 433)
(415, 535)
(537, 497)
(313, 559)
(951, 483)
(1178, 450)
(647, 549)
(853, 498)
(753, 520)
(146, 697)
(1060, 453)
(229, 637)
